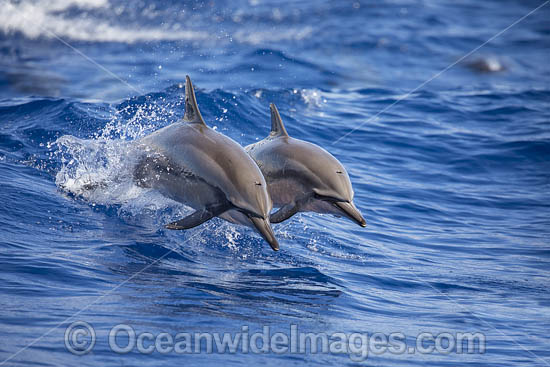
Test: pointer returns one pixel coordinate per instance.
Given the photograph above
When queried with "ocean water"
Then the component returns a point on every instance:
(451, 171)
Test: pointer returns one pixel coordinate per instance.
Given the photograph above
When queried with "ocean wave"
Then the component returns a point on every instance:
(51, 19)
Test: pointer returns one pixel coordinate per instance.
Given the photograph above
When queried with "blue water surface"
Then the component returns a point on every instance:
(453, 176)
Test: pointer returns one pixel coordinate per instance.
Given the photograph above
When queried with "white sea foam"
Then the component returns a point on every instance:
(52, 18)
(48, 18)
(263, 36)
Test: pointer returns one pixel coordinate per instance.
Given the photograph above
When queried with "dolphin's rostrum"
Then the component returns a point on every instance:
(302, 176)
(191, 163)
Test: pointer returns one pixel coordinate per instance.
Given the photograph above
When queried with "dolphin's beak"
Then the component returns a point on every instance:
(264, 227)
(350, 211)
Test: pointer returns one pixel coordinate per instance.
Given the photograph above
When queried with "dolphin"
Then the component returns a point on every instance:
(301, 176)
(193, 164)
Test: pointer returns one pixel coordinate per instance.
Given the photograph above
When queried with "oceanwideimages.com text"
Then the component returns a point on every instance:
(80, 338)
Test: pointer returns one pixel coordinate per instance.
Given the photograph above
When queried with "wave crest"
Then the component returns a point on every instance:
(50, 19)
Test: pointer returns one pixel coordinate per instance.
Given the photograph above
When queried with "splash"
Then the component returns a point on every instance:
(100, 169)
(97, 170)
(312, 97)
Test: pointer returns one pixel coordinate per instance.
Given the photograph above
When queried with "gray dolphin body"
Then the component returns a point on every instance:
(302, 176)
(195, 165)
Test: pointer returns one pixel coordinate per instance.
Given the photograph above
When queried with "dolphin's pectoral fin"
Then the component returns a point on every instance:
(191, 221)
(284, 213)
(198, 217)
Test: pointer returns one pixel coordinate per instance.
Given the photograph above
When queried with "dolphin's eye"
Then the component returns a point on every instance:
(258, 183)
(339, 172)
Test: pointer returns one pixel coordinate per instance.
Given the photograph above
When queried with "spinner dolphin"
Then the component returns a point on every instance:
(302, 176)
(193, 164)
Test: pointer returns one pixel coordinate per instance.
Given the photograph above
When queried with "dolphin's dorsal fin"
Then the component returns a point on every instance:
(277, 126)
(192, 113)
